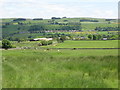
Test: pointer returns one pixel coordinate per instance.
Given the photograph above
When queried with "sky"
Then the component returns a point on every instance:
(58, 8)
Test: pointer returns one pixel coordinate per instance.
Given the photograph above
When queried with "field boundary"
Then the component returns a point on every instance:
(60, 48)
(83, 48)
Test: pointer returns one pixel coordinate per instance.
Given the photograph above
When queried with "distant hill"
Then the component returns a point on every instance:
(22, 26)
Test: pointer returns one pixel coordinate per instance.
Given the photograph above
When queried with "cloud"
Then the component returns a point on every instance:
(58, 8)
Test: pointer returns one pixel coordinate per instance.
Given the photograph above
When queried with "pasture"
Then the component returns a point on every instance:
(92, 26)
(39, 67)
(86, 44)
(70, 44)
(60, 68)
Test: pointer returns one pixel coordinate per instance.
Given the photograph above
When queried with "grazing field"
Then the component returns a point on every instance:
(33, 65)
(71, 44)
(60, 68)
(86, 44)
(92, 26)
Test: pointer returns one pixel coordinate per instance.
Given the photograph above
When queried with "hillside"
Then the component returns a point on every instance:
(17, 27)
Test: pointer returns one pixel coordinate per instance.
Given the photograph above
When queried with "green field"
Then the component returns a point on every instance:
(70, 44)
(86, 44)
(92, 26)
(31, 65)
(60, 69)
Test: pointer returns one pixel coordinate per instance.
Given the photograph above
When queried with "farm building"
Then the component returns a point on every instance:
(39, 39)
(104, 38)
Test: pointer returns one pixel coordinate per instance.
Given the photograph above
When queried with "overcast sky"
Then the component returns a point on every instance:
(58, 8)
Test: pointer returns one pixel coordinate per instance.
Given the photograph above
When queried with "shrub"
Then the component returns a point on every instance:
(90, 37)
(44, 43)
(6, 44)
(49, 42)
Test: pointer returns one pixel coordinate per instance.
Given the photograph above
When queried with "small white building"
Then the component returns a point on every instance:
(104, 38)
(46, 39)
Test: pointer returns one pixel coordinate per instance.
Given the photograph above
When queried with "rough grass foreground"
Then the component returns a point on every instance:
(60, 69)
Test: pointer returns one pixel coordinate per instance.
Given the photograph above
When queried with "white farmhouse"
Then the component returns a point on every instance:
(104, 38)
(39, 39)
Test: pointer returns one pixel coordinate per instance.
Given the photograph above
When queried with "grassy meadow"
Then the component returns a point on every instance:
(86, 44)
(60, 68)
(31, 65)
(92, 26)
(70, 44)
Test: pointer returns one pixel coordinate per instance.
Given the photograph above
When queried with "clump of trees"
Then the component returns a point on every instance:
(109, 19)
(38, 19)
(55, 18)
(20, 19)
(107, 29)
(88, 20)
(45, 43)
(114, 37)
(61, 39)
(64, 17)
(6, 44)
(90, 37)
(100, 37)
